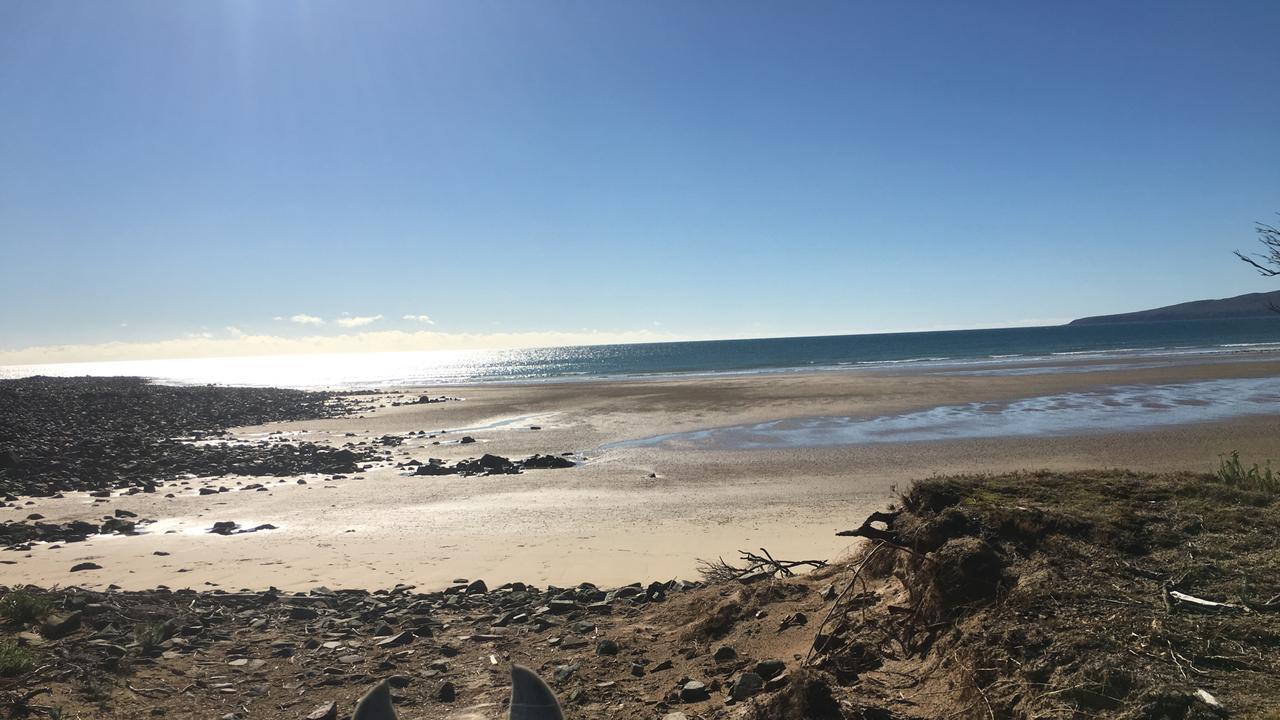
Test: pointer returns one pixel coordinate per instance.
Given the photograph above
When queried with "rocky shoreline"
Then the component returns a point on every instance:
(99, 434)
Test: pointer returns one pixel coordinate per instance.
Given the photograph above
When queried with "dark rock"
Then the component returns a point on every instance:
(401, 638)
(725, 654)
(446, 692)
(59, 626)
(746, 685)
(694, 691)
(477, 588)
(466, 440)
(769, 669)
(606, 646)
(299, 612)
(85, 566)
(546, 462)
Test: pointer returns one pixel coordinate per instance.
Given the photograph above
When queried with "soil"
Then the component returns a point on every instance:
(1027, 595)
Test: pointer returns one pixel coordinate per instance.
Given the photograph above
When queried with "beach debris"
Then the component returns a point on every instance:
(757, 567)
(1183, 600)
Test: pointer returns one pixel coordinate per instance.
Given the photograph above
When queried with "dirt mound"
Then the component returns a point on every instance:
(1065, 595)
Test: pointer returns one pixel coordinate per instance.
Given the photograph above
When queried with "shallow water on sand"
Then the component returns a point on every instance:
(1129, 407)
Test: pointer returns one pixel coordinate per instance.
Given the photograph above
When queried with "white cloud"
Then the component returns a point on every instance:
(199, 335)
(303, 319)
(234, 331)
(348, 322)
(204, 345)
(424, 319)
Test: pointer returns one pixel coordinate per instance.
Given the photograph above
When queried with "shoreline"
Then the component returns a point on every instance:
(622, 513)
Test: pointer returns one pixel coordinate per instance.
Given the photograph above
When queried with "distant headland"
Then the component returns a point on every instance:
(1242, 306)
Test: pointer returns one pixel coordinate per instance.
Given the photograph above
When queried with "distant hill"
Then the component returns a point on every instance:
(1241, 306)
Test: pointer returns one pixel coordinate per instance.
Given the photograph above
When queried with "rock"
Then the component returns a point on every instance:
(546, 462)
(776, 682)
(694, 691)
(432, 468)
(466, 440)
(746, 685)
(324, 712)
(446, 692)
(561, 607)
(606, 646)
(402, 638)
(80, 567)
(59, 626)
(478, 587)
(769, 669)
(675, 716)
(725, 654)
(299, 612)
(562, 673)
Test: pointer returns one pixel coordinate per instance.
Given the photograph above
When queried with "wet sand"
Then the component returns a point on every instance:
(628, 512)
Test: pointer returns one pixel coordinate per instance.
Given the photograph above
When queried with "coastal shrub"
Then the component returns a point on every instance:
(1231, 471)
(21, 607)
(15, 659)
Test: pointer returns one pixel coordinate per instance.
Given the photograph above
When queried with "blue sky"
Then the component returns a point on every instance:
(526, 171)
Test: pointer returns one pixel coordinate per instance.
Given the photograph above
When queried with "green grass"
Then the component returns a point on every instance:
(1233, 472)
(20, 607)
(15, 659)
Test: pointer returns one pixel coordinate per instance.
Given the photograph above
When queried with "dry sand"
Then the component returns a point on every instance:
(626, 514)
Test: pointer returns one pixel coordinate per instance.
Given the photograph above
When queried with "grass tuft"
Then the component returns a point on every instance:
(1233, 472)
(149, 637)
(14, 659)
(21, 607)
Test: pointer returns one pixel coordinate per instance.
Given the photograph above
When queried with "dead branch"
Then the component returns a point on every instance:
(758, 567)
(869, 530)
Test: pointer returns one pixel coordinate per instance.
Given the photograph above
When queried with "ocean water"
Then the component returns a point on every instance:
(1013, 350)
(1099, 411)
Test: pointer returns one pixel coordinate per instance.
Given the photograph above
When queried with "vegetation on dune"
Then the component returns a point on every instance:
(21, 607)
(15, 659)
(1067, 595)
(1232, 471)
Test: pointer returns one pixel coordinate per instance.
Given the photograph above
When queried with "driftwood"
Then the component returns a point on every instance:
(869, 530)
(758, 567)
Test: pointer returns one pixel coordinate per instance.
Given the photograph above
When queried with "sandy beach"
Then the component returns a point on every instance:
(628, 512)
